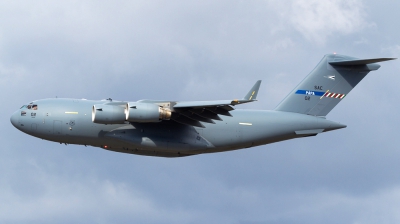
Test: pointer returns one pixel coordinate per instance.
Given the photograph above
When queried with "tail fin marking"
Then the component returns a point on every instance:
(330, 81)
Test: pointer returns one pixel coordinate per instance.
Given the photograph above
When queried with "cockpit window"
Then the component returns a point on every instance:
(24, 106)
(31, 107)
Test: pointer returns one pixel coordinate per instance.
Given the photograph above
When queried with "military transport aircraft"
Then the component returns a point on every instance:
(174, 128)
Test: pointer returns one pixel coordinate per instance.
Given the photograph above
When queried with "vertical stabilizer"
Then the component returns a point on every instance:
(329, 83)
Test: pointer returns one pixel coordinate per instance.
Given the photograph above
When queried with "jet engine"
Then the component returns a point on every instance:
(108, 114)
(146, 112)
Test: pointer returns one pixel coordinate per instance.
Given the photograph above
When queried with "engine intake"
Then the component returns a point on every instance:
(146, 112)
(108, 114)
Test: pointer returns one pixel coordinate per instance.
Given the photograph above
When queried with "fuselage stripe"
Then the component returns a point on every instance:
(335, 95)
(321, 94)
(310, 92)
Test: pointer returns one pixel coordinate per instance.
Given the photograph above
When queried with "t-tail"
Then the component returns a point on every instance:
(329, 83)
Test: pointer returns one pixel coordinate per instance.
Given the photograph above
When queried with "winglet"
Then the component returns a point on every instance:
(252, 94)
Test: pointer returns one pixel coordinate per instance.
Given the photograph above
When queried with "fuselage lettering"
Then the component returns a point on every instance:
(310, 92)
(318, 87)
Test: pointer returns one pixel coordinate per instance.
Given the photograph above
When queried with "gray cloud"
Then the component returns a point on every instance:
(317, 20)
(194, 51)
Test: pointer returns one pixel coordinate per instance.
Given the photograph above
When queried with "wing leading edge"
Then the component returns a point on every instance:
(194, 112)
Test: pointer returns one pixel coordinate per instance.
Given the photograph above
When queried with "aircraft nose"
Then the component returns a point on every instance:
(14, 119)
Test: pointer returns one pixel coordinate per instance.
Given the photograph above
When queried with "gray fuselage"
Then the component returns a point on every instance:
(69, 121)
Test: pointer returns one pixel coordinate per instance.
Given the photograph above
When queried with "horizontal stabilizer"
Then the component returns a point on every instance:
(360, 61)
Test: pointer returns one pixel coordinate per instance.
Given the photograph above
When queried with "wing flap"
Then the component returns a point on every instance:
(196, 117)
(219, 110)
(185, 120)
(206, 114)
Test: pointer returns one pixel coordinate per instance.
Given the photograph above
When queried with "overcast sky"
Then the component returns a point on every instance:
(200, 50)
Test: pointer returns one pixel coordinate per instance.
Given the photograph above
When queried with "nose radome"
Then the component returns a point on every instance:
(14, 119)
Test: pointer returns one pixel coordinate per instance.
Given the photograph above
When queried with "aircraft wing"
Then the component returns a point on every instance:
(194, 112)
(216, 103)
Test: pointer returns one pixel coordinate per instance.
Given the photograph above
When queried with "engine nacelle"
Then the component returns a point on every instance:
(108, 114)
(146, 112)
